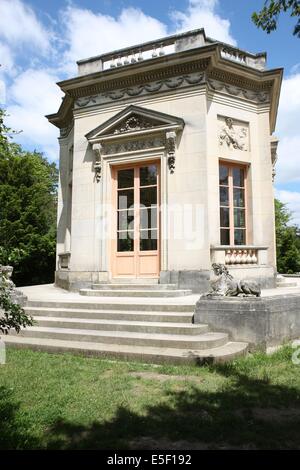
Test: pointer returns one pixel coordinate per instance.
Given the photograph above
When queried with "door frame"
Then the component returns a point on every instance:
(114, 168)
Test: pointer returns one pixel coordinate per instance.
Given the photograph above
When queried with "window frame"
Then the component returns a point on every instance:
(231, 228)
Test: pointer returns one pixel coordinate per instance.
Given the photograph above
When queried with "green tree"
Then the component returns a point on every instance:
(267, 17)
(287, 241)
(28, 189)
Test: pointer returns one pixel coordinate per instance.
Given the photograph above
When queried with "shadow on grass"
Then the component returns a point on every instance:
(247, 414)
(13, 430)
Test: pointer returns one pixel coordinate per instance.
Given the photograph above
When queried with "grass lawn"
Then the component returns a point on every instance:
(63, 401)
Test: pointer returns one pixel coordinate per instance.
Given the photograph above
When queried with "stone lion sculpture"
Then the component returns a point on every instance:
(226, 286)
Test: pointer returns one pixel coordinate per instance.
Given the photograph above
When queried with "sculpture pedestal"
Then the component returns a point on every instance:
(262, 321)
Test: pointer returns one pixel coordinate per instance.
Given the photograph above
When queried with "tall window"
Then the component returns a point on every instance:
(232, 204)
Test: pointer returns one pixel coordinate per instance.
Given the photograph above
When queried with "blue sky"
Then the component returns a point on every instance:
(40, 42)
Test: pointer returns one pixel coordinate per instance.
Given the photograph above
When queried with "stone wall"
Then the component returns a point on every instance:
(262, 322)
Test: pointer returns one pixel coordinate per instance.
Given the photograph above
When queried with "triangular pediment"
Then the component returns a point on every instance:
(134, 120)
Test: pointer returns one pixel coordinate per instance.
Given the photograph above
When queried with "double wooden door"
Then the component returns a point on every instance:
(135, 247)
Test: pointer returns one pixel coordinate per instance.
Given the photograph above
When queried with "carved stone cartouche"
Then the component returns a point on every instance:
(234, 137)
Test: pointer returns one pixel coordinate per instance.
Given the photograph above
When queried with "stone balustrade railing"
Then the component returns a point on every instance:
(167, 45)
(64, 260)
(245, 256)
(257, 61)
(239, 255)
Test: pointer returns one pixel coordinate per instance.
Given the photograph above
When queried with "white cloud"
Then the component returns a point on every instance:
(288, 167)
(19, 26)
(6, 68)
(292, 199)
(32, 95)
(89, 34)
(202, 14)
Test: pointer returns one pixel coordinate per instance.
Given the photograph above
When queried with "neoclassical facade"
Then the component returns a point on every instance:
(166, 165)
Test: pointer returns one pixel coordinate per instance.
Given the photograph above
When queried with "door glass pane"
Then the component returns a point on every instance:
(224, 196)
(126, 178)
(125, 241)
(125, 198)
(148, 175)
(148, 218)
(148, 196)
(148, 240)
(239, 237)
(223, 174)
(225, 236)
(239, 218)
(126, 220)
(238, 177)
(238, 197)
(224, 217)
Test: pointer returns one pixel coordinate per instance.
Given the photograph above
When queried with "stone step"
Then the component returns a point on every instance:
(135, 293)
(115, 305)
(229, 351)
(286, 284)
(149, 281)
(147, 316)
(118, 325)
(131, 286)
(202, 341)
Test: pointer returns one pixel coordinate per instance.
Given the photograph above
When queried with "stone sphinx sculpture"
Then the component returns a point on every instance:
(226, 286)
(8, 285)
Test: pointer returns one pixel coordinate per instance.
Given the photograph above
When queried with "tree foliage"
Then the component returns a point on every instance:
(28, 187)
(287, 241)
(268, 16)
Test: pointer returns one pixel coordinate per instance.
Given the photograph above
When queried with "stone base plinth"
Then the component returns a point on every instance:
(262, 322)
(76, 280)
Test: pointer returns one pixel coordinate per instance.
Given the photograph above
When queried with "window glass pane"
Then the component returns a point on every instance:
(125, 198)
(224, 217)
(238, 176)
(126, 178)
(125, 241)
(148, 240)
(238, 197)
(225, 236)
(224, 196)
(239, 218)
(223, 174)
(239, 237)
(148, 196)
(148, 175)
(148, 218)
(125, 220)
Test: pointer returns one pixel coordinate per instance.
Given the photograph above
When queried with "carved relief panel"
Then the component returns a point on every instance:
(233, 134)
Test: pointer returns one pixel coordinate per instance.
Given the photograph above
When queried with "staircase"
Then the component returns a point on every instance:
(135, 290)
(155, 331)
(282, 281)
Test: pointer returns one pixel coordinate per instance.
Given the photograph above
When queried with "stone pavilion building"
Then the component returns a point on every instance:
(167, 159)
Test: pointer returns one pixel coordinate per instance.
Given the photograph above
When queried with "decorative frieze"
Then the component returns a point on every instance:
(233, 134)
(257, 97)
(132, 145)
(147, 88)
(64, 131)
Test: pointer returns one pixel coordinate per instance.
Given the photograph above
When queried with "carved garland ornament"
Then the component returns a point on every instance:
(170, 147)
(97, 164)
(153, 87)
